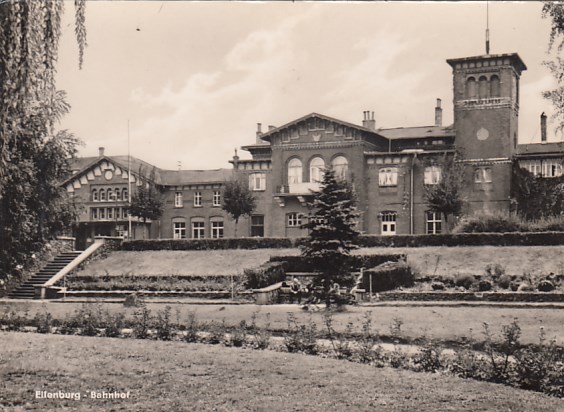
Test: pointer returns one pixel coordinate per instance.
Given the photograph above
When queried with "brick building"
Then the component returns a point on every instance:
(389, 168)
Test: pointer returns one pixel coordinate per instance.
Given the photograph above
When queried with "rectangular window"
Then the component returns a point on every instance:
(216, 198)
(432, 175)
(483, 175)
(552, 168)
(198, 230)
(110, 213)
(294, 219)
(388, 224)
(434, 223)
(388, 176)
(179, 231)
(217, 230)
(257, 181)
(197, 199)
(102, 213)
(94, 212)
(257, 226)
(178, 199)
(120, 231)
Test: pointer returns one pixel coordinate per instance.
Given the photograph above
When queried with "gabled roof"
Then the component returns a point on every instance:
(266, 135)
(417, 132)
(161, 177)
(540, 148)
(179, 177)
(82, 164)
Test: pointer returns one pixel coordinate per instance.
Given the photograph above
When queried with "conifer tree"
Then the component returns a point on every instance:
(333, 234)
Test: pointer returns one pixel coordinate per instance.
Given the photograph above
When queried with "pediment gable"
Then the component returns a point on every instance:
(104, 170)
(317, 128)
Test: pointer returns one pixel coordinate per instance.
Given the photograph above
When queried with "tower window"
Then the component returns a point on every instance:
(483, 87)
(471, 88)
(494, 86)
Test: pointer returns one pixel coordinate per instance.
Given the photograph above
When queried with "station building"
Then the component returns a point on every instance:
(389, 168)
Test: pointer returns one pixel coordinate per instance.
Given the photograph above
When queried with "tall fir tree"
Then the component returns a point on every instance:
(333, 233)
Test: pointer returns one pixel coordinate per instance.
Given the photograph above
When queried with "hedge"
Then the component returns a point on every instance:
(447, 239)
(300, 264)
(208, 244)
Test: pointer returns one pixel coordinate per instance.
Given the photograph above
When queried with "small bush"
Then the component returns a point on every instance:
(264, 275)
(134, 300)
(208, 244)
(43, 321)
(438, 286)
(429, 357)
(216, 332)
(464, 280)
(238, 336)
(388, 276)
(14, 321)
(545, 286)
(88, 319)
(261, 336)
(495, 271)
(113, 325)
(192, 327)
(301, 338)
(489, 223)
(484, 285)
(504, 281)
(142, 323)
(164, 325)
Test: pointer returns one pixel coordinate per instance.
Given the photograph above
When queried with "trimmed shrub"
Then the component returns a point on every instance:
(301, 264)
(490, 223)
(265, 275)
(545, 286)
(388, 276)
(464, 280)
(438, 286)
(484, 285)
(504, 281)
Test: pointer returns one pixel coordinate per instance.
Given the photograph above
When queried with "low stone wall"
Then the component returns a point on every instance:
(469, 296)
(125, 293)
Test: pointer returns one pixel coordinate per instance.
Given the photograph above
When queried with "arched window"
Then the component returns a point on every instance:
(94, 195)
(483, 87)
(471, 88)
(294, 171)
(117, 194)
(102, 195)
(124, 195)
(494, 86)
(340, 166)
(316, 166)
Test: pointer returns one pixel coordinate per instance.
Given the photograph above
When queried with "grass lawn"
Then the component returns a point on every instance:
(448, 261)
(178, 376)
(444, 261)
(187, 263)
(443, 323)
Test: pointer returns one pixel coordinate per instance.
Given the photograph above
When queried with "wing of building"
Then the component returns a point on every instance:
(389, 168)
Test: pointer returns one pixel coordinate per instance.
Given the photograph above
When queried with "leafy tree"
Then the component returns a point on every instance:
(238, 200)
(33, 156)
(148, 201)
(333, 233)
(446, 196)
(555, 12)
(537, 197)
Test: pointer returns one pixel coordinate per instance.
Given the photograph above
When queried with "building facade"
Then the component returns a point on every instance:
(389, 168)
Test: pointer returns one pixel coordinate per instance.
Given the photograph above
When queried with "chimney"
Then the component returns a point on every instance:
(438, 114)
(101, 151)
(236, 159)
(368, 121)
(543, 128)
(259, 133)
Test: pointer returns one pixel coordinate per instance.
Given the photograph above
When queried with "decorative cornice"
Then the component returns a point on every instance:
(320, 145)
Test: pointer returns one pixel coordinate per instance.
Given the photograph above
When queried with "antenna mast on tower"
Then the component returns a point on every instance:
(487, 27)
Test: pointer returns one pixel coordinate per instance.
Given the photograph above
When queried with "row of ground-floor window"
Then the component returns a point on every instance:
(200, 228)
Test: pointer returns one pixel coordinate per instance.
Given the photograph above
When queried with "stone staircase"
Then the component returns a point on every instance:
(27, 289)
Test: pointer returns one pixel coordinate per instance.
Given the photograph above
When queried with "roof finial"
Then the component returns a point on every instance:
(487, 27)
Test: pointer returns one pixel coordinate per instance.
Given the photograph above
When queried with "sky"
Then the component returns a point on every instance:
(189, 81)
